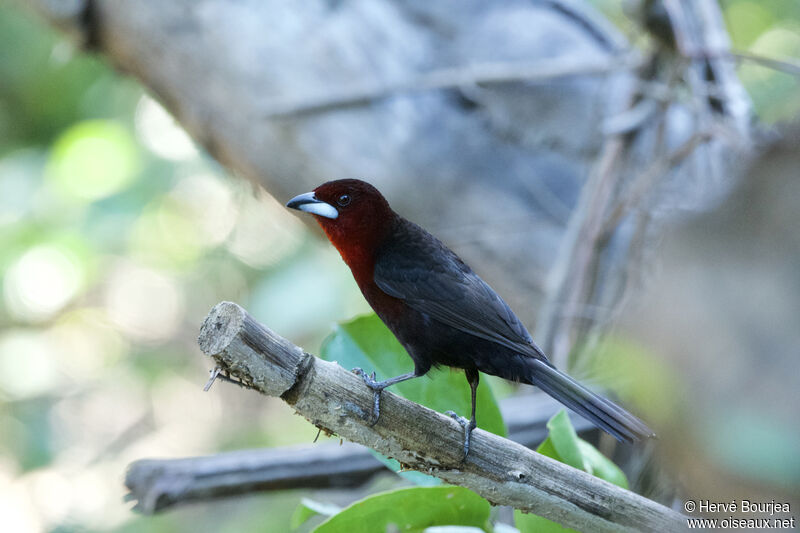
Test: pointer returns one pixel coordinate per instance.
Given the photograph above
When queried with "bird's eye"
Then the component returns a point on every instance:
(343, 200)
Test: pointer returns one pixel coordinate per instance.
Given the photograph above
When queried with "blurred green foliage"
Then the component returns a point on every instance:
(768, 28)
(768, 454)
(116, 237)
(648, 383)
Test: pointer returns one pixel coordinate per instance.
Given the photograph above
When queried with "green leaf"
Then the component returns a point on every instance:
(565, 441)
(547, 449)
(411, 510)
(563, 445)
(647, 383)
(601, 466)
(367, 343)
(309, 508)
(531, 523)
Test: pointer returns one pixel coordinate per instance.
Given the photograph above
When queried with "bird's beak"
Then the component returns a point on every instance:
(310, 204)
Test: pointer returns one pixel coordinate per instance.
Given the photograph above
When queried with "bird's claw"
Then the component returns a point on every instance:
(468, 426)
(375, 386)
(369, 379)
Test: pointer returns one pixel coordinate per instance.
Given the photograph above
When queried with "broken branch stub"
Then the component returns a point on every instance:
(244, 348)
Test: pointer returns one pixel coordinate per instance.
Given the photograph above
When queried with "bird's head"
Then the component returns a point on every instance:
(351, 212)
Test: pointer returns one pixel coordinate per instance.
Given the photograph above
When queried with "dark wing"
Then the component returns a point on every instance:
(416, 267)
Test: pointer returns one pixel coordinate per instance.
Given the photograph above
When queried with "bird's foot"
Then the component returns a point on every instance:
(468, 426)
(376, 387)
(369, 379)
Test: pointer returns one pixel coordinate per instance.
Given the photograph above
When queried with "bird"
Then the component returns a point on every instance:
(440, 310)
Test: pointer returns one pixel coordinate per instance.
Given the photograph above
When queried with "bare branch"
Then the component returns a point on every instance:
(569, 277)
(645, 181)
(454, 78)
(717, 100)
(159, 484)
(700, 33)
(783, 65)
(502, 471)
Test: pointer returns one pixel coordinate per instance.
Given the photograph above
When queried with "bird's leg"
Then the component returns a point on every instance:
(378, 386)
(473, 377)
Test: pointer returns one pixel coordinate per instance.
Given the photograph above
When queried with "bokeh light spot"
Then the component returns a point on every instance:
(146, 305)
(88, 343)
(93, 160)
(16, 507)
(746, 21)
(265, 232)
(164, 235)
(28, 357)
(41, 282)
(775, 94)
(159, 131)
(211, 206)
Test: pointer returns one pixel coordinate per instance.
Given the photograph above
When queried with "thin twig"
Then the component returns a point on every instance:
(783, 65)
(703, 39)
(717, 99)
(212, 378)
(649, 177)
(219, 374)
(569, 277)
(451, 78)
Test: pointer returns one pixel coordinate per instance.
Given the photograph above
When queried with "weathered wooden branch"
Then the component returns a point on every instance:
(159, 484)
(502, 471)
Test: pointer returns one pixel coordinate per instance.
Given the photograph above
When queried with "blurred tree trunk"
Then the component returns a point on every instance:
(479, 120)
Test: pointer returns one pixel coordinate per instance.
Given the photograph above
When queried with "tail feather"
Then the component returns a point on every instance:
(604, 413)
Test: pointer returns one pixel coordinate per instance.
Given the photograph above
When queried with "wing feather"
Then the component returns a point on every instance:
(416, 267)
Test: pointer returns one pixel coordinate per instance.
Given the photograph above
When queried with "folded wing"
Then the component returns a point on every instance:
(416, 267)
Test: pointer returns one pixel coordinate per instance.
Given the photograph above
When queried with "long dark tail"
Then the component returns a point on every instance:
(603, 413)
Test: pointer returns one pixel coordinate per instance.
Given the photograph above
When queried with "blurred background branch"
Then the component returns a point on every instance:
(159, 484)
(579, 278)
